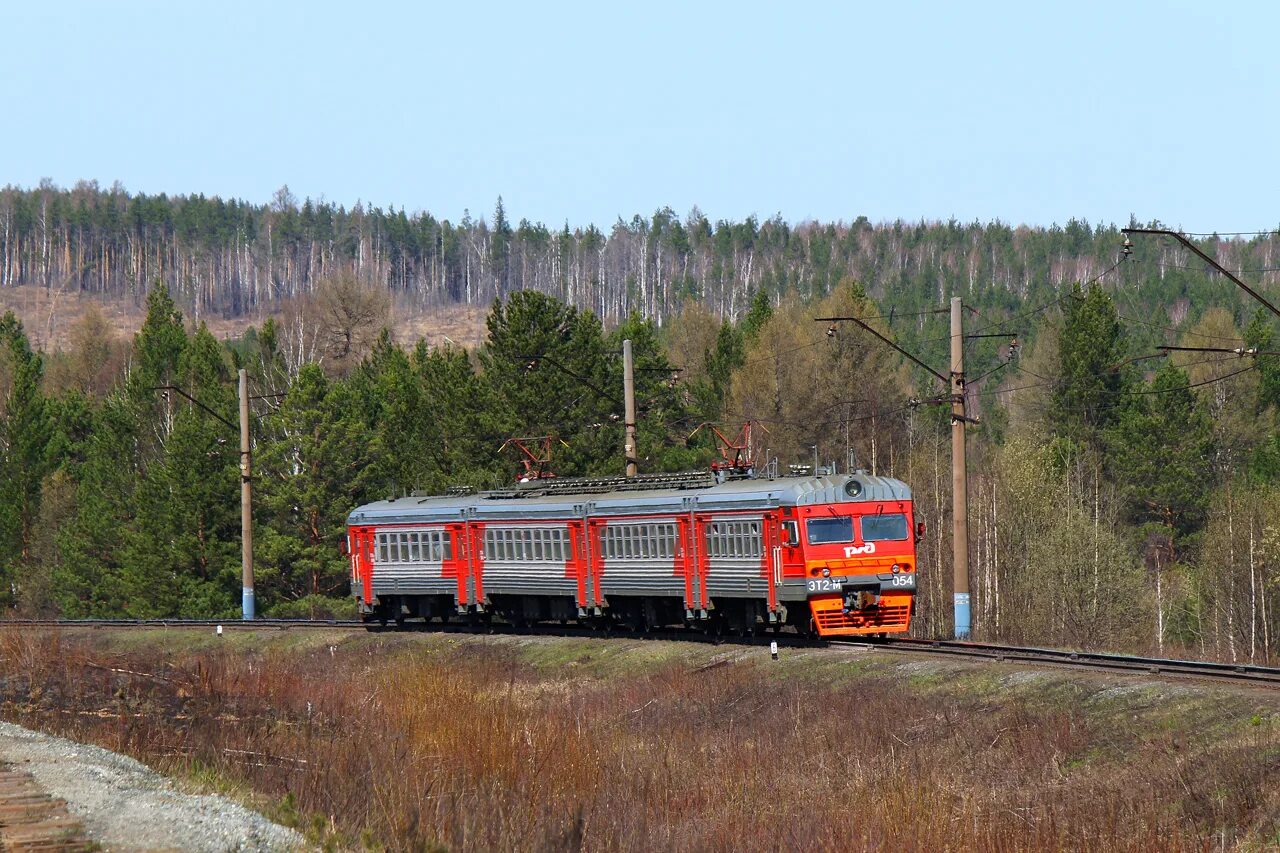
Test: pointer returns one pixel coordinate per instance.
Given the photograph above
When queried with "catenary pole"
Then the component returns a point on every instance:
(959, 476)
(629, 407)
(246, 503)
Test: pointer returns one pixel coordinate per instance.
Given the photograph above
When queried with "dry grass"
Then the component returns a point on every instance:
(414, 742)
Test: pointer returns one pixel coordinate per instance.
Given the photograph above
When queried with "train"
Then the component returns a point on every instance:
(825, 555)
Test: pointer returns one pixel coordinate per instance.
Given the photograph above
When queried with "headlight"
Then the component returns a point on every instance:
(896, 568)
(826, 572)
(853, 488)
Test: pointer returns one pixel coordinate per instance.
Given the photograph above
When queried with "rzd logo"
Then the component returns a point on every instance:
(855, 550)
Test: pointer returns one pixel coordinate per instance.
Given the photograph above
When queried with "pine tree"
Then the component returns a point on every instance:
(88, 581)
(467, 420)
(183, 557)
(546, 364)
(318, 463)
(24, 439)
(500, 248)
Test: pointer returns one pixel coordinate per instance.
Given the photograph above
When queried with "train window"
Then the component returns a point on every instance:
(404, 547)
(382, 547)
(790, 536)
(415, 547)
(834, 529)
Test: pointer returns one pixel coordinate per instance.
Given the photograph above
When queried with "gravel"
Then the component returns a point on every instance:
(125, 805)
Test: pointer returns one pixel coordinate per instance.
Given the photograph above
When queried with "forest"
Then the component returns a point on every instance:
(1121, 496)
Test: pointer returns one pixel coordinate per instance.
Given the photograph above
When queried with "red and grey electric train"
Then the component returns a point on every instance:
(830, 555)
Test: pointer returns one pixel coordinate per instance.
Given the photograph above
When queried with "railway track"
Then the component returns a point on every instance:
(1062, 658)
(1246, 673)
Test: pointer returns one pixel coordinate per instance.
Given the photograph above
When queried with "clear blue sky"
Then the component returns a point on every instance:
(1026, 112)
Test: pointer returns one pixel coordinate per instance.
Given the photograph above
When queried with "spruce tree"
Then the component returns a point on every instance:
(1159, 453)
(1086, 394)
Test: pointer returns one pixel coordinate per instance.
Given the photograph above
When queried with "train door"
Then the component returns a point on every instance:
(579, 558)
(595, 559)
(771, 565)
(475, 564)
(687, 560)
(370, 542)
(456, 562)
(701, 559)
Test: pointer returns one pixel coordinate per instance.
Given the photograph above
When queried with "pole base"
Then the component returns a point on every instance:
(246, 603)
(962, 615)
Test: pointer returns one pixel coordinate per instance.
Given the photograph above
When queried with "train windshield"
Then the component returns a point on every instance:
(877, 528)
(822, 531)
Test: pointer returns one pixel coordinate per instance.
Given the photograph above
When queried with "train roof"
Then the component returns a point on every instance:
(564, 498)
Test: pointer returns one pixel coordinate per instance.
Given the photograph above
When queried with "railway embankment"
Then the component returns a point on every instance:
(409, 741)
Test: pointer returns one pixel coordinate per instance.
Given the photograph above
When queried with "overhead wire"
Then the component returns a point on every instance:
(1267, 233)
(1049, 381)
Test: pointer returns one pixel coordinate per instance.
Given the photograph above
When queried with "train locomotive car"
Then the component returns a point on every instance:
(830, 555)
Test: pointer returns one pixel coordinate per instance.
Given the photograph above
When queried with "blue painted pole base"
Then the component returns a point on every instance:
(246, 603)
(962, 615)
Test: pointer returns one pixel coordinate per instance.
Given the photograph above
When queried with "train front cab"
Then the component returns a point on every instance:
(859, 565)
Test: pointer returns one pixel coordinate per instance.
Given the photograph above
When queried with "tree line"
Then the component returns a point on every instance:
(234, 258)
